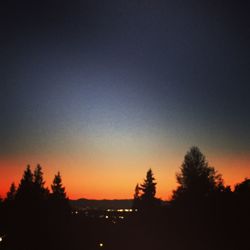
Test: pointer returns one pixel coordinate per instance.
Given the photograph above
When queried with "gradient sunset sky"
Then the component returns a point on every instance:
(105, 90)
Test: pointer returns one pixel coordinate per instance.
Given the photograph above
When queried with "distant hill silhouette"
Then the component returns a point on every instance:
(101, 204)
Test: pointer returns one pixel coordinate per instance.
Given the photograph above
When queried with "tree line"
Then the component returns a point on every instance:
(196, 180)
(203, 213)
(32, 185)
(32, 213)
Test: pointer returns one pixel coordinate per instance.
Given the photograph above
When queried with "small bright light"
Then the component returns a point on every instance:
(1, 239)
(106, 217)
(101, 244)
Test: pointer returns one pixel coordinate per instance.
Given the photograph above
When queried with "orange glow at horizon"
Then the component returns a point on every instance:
(113, 179)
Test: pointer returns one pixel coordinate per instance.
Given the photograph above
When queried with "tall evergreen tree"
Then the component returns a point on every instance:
(137, 192)
(148, 187)
(59, 213)
(11, 194)
(58, 191)
(27, 177)
(147, 199)
(59, 202)
(38, 176)
(196, 178)
(136, 200)
(39, 189)
(25, 212)
(25, 189)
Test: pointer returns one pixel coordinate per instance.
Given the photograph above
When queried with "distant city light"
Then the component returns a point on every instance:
(106, 217)
(110, 210)
(1, 239)
(124, 210)
(101, 244)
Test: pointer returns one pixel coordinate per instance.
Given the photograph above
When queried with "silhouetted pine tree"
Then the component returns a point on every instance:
(60, 212)
(40, 191)
(27, 176)
(11, 194)
(136, 200)
(11, 219)
(38, 176)
(59, 200)
(23, 213)
(58, 191)
(148, 188)
(25, 189)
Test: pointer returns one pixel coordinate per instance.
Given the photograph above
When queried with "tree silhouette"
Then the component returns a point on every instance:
(59, 211)
(136, 200)
(148, 188)
(196, 177)
(26, 212)
(11, 194)
(25, 189)
(58, 191)
(34, 218)
(38, 176)
(40, 191)
(243, 189)
(241, 210)
(27, 177)
(58, 198)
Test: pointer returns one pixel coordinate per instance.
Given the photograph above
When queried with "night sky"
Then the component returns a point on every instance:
(104, 90)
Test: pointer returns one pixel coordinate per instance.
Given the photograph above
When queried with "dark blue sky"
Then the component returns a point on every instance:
(175, 71)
